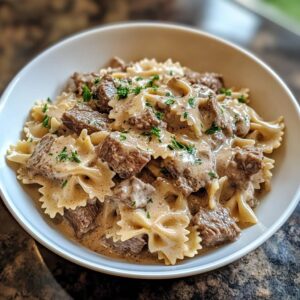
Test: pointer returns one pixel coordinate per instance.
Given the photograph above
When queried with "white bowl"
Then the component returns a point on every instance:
(87, 51)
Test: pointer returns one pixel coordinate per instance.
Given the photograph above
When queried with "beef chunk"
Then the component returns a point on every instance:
(213, 115)
(239, 164)
(84, 117)
(132, 246)
(198, 200)
(82, 218)
(133, 192)
(78, 80)
(40, 162)
(144, 120)
(117, 63)
(122, 156)
(212, 80)
(104, 93)
(215, 226)
(190, 172)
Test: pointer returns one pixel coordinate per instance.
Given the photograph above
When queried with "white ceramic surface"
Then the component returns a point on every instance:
(87, 51)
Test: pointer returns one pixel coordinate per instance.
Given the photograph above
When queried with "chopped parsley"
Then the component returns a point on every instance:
(168, 94)
(155, 131)
(242, 99)
(212, 175)
(86, 93)
(170, 102)
(97, 80)
(213, 129)
(150, 200)
(148, 104)
(175, 145)
(49, 100)
(63, 155)
(148, 215)
(227, 92)
(137, 90)
(191, 102)
(122, 92)
(198, 161)
(150, 83)
(191, 149)
(185, 115)
(122, 137)
(159, 115)
(139, 78)
(45, 108)
(45, 121)
(74, 157)
(64, 183)
(133, 203)
(171, 73)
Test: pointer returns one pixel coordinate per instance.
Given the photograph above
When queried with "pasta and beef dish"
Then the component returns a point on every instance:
(148, 161)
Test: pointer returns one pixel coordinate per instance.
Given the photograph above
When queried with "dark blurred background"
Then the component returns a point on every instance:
(269, 28)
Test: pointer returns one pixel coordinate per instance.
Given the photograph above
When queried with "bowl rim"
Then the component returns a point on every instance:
(59, 250)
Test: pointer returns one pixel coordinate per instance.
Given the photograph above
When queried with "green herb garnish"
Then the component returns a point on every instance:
(74, 157)
(148, 215)
(45, 121)
(155, 131)
(63, 155)
(212, 175)
(49, 100)
(150, 83)
(97, 80)
(148, 104)
(185, 115)
(198, 161)
(191, 102)
(45, 108)
(242, 99)
(170, 102)
(122, 137)
(159, 115)
(213, 129)
(227, 92)
(122, 92)
(86, 93)
(168, 94)
(139, 78)
(137, 90)
(64, 183)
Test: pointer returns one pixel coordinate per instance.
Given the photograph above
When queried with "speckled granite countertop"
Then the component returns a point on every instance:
(28, 270)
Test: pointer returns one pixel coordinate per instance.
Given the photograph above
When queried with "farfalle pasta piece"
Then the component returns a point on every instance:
(264, 175)
(214, 191)
(267, 135)
(164, 222)
(20, 152)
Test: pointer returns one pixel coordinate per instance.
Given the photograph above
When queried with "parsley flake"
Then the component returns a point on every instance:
(148, 215)
(45, 108)
(137, 90)
(185, 115)
(159, 115)
(86, 93)
(150, 83)
(45, 121)
(139, 78)
(242, 99)
(122, 92)
(191, 102)
(170, 102)
(227, 92)
(97, 80)
(49, 100)
(122, 137)
(74, 157)
(64, 183)
(213, 129)
(198, 161)
(63, 155)
(212, 175)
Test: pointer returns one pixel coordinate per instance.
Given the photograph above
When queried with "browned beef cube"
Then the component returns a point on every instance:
(122, 156)
(212, 80)
(191, 171)
(82, 218)
(41, 161)
(133, 246)
(213, 115)
(239, 164)
(82, 116)
(144, 120)
(105, 92)
(215, 226)
(133, 192)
